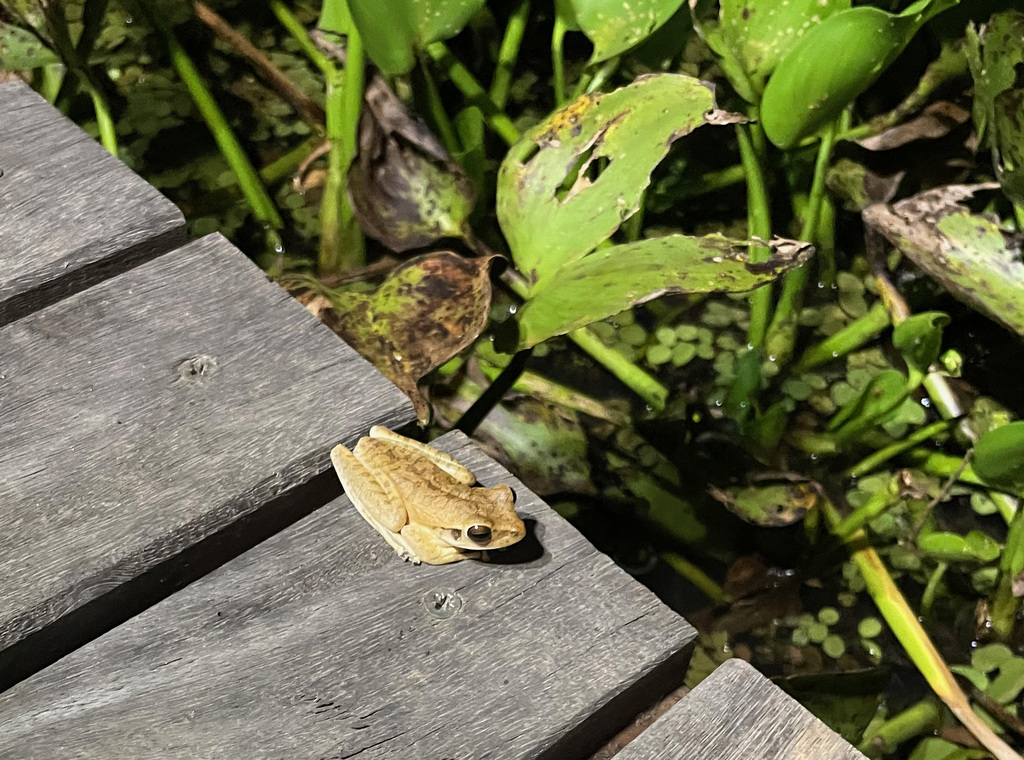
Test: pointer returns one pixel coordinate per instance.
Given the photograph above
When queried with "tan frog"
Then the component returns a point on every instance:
(423, 501)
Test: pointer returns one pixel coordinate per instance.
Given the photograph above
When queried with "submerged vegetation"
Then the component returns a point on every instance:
(738, 288)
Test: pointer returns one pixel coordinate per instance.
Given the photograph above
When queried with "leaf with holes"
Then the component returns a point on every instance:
(613, 279)
(615, 26)
(425, 312)
(575, 177)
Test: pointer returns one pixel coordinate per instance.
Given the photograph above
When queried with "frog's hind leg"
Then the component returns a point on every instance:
(439, 458)
(385, 514)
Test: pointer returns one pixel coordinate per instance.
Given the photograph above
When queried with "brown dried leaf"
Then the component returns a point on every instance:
(406, 190)
(937, 120)
(425, 312)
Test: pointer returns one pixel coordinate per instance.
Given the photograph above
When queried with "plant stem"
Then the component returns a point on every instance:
(905, 626)
(508, 53)
(475, 94)
(711, 181)
(256, 195)
(298, 32)
(437, 113)
(850, 338)
(697, 577)
(782, 331)
(883, 455)
(490, 398)
(308, 110)
(640, 382)
(759, 224)
(558, 58)
(342, 245)
(921, 718)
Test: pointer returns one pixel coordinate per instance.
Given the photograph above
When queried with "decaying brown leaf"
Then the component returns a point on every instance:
(406, 190)
(935, 121)
(425, 312)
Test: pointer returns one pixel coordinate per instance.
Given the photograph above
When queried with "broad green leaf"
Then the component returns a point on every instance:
(613, 279)
(999, 457)
(575, 177)
(967, 253)
(20, 49)
(1009, 683)
(393, 30)
(833, 63)
(919, 338)
(951, 547)
(757, 34)
(614, 26)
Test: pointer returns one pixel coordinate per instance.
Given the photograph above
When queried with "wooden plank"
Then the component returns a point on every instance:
(738, 714)
(70, 213)
(147, 414)
(317, 644)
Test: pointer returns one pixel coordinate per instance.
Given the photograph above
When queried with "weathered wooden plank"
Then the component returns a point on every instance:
(317, 644)
(738, 714)
(143, 416)
(70, 213)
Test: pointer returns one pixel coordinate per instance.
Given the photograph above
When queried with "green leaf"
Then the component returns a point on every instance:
(951, 547)
(833, 63)
(965, 252)
(757, 34)
(393, 30)
(919, 338)
(615, 26)
(20, 49)
(999, 457)
(613, 279)
(575, 177)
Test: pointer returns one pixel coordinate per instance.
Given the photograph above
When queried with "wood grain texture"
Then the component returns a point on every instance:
(70, 213)
(150, 412)
(738, 714)
(317, 644)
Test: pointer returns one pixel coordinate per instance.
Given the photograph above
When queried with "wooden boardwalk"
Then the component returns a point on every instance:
(182, 576)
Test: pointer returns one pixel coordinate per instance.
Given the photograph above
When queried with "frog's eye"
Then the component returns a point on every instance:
(479, 534)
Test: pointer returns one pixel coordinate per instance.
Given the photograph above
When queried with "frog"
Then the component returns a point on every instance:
(423, 502)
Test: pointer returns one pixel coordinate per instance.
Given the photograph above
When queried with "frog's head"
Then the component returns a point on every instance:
(491, 523)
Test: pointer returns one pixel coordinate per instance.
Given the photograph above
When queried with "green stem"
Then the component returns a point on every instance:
(711, 181)
(298, 31)
(883, 455)
(640, 382)
(592, 82)
(437, 113)
(342, 245)
(255, 193)
(850, 338)
(475, 94)
(558, 58)
(782, 331)
(921, 718)
(877, 503)
(697, 577)
(759, 224)
(508, 53)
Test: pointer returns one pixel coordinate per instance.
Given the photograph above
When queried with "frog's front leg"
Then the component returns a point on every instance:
(383, 511)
